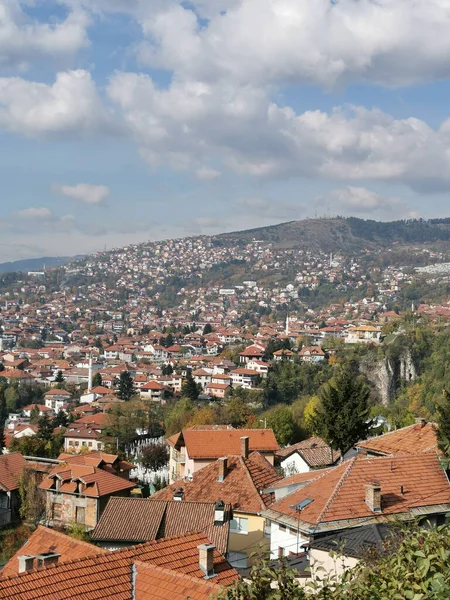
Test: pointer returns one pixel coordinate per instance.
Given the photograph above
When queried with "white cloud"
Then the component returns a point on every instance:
(86, 193)
(304, 41)
(24, 41)
(71, 105)
(41, 212)
(268, 208)
(207, 174)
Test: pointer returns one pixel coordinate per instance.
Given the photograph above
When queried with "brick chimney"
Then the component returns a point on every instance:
(206, 560)
(219, 512)
(223, 468)
(373, 496)
(26, 563)
(420, 421)
(178, 494)
(245, 442)
(47, 559)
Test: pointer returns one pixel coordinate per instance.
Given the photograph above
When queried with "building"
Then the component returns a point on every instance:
(153, 390)
(11, 468)
(55, 399)
(194, 448)
(309, 454)
(364, 334)
(311, 354)
(245, 378)
(108, 462)
(178, 567)
(238, 481)
(360, 491)
(81, 435)
(156, 519)
(420, 437)
(79, 494)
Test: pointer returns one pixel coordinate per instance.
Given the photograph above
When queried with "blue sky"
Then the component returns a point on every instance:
(128, 120)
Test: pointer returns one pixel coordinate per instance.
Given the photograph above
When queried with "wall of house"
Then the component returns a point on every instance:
(249, 543)
(322, 562)
(294, 464)
(287, 539)
(65, 512)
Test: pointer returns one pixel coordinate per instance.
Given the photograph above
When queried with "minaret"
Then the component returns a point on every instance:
(90, 374)
(287, 325)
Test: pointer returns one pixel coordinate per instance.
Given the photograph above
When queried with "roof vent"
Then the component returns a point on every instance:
(47, 558)
(219, 512)
(26, 563)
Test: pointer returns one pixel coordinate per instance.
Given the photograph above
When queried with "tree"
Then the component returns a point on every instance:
(207, 329)
(154, 457)
(59, 377)
(125, 390)
(3, 416)
(443, 422)
(61, 419)
(342, 417)
(280, 419)
(96, 380)
(235, 412)
(45, 431)
(34, 415)
(11, 397)
(32, 499)
(190, 389)
(29, 445)
(167, 370)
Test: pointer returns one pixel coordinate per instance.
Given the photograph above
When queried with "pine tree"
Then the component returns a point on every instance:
(34, 415)
(189, 388)
(61, 419)
(342, 417)
(125, 389)
(45, 431)
(97, 380)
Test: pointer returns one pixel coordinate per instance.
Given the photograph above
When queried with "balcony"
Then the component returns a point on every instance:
(179, 457)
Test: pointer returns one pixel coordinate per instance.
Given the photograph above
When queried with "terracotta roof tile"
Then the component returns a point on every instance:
(161, 584)
(315, 452)
(97, 481)
(242, 486)
(227, 442)
(11, 466)
(48, 540)
(109, 576)
(408, 440)
(155, 519)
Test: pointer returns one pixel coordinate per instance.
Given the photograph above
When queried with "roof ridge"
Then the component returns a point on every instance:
(337, 487)
(149, 565)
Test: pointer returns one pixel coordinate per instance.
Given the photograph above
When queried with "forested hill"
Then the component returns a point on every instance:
(342, 234)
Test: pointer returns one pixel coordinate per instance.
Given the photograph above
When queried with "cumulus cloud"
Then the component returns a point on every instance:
(70, 105)
(24, 41)
(352, 200)
(268, 208)
(86, 193)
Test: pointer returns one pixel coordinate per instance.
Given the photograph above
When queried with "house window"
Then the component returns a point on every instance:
(56, 512)
(282, 527)
(77, 444)
(90, 444)
(280, 552)
(80, 515)
(267, 529)
(99, 446)
(292, 531)
(239, 525)
(3, 500)
(71, 443)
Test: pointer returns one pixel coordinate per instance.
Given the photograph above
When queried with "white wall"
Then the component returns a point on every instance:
(284, 539)
(294, 464)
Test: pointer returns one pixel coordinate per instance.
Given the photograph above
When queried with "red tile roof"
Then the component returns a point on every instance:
(161, 584)
(211, 443)
(49, 540)
(11, 466)
(407, 482)
(242, 486)
(314, 451)
(109, 576)
(97, 482)
(155, 519)
(408, 440)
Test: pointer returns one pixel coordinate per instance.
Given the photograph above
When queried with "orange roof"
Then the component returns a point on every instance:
(161, 584)
(96, 482)
(314, 451)
(408, 440)
(109, 576)
(407, 482)
(58, 392)
(49, 540)
(242, 486)
(226, 442)
(11, 466)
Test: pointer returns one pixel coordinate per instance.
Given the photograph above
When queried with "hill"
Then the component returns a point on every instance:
(343, 234)
(34, 264)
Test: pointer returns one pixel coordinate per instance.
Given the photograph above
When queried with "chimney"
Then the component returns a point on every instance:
(178, 495)
(244, 446)
(47, 559)
(420, 421)
(373, 496)
(90, 374)
(219, 512)
(223, 468)
(206, 560)
(26, 563)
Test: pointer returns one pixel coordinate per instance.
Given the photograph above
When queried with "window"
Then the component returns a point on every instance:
(80, 515)
(282, 527)
(292, 531)
(267, 529)
(280, 552)
(99, 446)
(239, 525)
(90, 444)
(71, 443)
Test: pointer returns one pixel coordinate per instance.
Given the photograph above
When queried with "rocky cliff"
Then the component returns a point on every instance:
(386, 374)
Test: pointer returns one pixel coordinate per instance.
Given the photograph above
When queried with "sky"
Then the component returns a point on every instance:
(123, 121)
